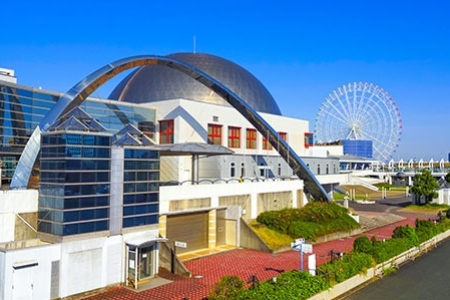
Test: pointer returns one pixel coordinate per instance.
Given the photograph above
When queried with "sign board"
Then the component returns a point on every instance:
(295, 246)
(180, 244)
(307, 248)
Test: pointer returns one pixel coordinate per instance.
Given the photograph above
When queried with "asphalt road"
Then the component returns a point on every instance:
(427, 277)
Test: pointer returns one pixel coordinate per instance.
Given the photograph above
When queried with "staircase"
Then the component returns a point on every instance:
(369, 222)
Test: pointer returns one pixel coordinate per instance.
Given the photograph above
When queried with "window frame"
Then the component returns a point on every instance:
(215, 134)
(168, 134)
(234, 137)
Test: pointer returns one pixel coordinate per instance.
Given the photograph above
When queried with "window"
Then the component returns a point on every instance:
(232, 170)
(318, 169)
(234, 137)
(166, 132)
(266, 145)
(279, 169)
(242, 169)
(214, 134)
(327, 170)
(251, 139)
(309, 139)
(283, 135)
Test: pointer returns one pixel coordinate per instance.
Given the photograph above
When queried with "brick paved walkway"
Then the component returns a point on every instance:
(243, 263)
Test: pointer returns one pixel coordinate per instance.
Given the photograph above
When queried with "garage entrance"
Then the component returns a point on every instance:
(191, 229)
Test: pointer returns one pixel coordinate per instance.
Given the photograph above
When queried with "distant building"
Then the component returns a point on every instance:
(361, 148)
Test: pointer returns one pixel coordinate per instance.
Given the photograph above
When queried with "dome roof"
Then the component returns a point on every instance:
(155, 83)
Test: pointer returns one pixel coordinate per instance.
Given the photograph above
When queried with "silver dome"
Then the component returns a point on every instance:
(155, 83)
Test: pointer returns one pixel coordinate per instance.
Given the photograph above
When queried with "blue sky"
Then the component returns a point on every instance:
(300, 50)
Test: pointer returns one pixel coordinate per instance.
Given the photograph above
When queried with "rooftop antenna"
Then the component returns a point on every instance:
(194, 44)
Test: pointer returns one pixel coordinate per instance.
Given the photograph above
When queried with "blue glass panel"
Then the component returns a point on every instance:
(87, 214)
(86, 227)
(102, 201)
(71, 216)
(70, 229)
(101, 213)
(71, 203)
(129, 199)
(87, 202)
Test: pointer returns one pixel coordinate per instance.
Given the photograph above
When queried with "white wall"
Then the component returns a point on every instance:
(13, 202)
(90, 264)
(214, 191)
(191, 119)
(33, 281)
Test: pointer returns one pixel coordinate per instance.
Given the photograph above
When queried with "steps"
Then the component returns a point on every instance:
(370, 221)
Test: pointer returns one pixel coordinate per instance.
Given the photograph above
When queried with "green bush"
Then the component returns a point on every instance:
(362, 244)
(290, 285)
(306, 230)
(385, 250)
(313, 220)
(406, 232)
(228, 287)
(425, 230)
(350, 265)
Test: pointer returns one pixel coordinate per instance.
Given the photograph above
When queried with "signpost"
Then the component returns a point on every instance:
(299, 245)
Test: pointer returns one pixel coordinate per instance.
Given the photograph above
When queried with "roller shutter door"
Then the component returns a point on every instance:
(191, 229)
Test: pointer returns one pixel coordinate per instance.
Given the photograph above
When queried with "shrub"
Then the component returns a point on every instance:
(350, 265)
(425, 229)
(228, 287)
(383, 251)
(311, 221)
(290, 285)
(362, 244)
(406, 232)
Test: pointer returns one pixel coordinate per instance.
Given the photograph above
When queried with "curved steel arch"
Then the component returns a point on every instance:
(77, 94)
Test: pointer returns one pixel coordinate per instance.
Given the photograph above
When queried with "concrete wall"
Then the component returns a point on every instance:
(27, 273)
(13, 203)
(285, 192)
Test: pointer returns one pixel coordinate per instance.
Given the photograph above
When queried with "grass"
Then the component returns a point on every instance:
(430, 208)
(273, 239)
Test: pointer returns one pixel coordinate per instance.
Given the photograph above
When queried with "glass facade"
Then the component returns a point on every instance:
(140, 187)
(361, 148)
(22, 109)
(74, 184)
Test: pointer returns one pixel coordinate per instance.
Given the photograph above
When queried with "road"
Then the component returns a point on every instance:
(427, 277)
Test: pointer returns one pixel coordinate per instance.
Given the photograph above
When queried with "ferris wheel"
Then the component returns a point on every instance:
(361, 111)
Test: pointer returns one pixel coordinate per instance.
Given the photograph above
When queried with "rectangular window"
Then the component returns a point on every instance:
(309, 139)
(234, 137)
(283, 135)
(251, 139)
(166, 131)
(214, 134)
(266, 145)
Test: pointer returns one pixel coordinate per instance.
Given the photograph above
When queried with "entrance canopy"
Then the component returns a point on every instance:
(144, 241)
(193, 149)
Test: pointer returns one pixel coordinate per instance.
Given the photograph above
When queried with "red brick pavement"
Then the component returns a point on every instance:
(243, 263)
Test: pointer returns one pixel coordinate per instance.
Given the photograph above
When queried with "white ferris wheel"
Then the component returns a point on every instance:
(361, 111)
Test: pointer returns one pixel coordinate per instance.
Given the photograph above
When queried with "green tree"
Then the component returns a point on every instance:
(425, 185)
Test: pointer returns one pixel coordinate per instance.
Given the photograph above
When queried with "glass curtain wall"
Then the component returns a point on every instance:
(22, 109)
(74, 185)
(140, 187)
